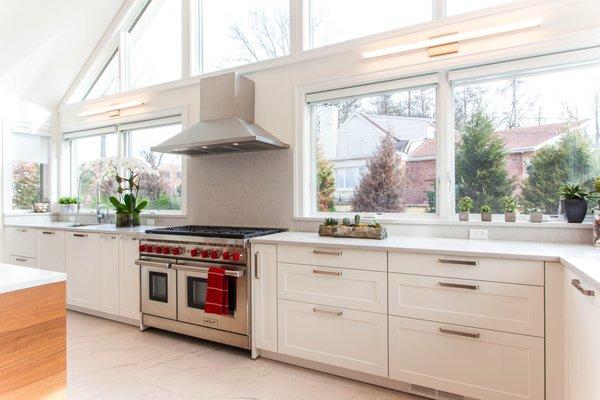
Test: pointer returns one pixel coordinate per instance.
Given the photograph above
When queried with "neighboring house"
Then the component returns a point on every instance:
(521, 144)
(349, 146)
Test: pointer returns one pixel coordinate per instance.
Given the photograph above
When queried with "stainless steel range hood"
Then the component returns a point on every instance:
(226, 121)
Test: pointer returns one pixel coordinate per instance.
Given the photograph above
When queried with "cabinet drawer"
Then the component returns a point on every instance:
(498, 306)
(337, 287)
(350, 339)
(484, 269)
(333, 257)
(470, 362)
(22, 261)
(21, 242)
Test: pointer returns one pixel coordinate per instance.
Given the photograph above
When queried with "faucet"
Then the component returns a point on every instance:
(100, 216)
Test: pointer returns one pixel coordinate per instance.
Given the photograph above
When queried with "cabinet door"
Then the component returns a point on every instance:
(355, 340)
(22, 261)
(129, 278)
(462, 361)
(51, 250)
(21, 242)
(109, 274)
(264, 296)
(83, 270)
(583, 352)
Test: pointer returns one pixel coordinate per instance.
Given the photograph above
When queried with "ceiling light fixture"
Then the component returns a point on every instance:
(111, 108)
(455, 38)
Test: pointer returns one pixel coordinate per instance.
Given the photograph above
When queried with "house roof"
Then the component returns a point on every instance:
(395, 124)
(516, 140)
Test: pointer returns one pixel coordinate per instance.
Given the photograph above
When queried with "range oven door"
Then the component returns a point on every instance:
(158, 284)
(192, 280)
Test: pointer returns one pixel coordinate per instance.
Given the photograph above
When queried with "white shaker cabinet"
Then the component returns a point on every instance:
(583, 338)
(83, 270)
(109, 274)
(129, 278)
(264, 296)
(21, 242)
(51, 250)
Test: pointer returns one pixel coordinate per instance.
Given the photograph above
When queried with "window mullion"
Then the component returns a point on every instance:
(445, 148)
(186, 39)
(439, 8)
(123, 62)
(297, 27)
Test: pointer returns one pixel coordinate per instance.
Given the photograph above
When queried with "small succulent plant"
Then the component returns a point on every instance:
(486, 209)
(357, 220)
(465, 204)
(331, 222)
(574, 192)
(509, 204)
(346, 221)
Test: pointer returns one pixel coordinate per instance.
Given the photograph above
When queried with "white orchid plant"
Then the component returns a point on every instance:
(127, 172)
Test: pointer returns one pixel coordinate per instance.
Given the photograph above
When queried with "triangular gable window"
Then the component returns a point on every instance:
(107, 81)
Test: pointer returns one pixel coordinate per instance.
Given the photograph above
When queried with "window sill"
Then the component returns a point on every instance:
(143, 215)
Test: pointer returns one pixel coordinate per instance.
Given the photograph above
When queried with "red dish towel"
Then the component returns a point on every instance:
(217, 294)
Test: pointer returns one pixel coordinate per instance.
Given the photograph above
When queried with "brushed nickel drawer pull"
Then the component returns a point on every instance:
(458, 286)
(20, 259)
(458, 262)
(459, 333)
(577, 284)
(48, 233)
(332, 273)
(80, 235)
(328, 252)
(328, 312)
(21, 230)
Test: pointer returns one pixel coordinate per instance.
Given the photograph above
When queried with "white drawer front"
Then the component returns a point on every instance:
(492, 366)
(350, 339)
(484, 269)
(333, 257)
(22, 261)
(21, 242)
(498, 306)
(337, 287)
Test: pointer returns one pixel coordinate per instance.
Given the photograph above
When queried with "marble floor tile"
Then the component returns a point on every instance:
(108, 360)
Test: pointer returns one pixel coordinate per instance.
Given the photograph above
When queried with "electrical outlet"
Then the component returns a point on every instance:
(479, 234)
(150, 222)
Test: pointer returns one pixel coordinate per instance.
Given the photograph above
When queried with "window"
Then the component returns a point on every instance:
(107, 81)
(90, 150)
(238, 32)
(455, 7)
(154, 44)
(374, 152)
(29, 168)
(333, 21)
(87, 177)
(525, 135)
(162, 191)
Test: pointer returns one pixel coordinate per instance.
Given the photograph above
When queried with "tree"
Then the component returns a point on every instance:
(481, 158)
(595, 104)
(569, 161)
(520, 103)
(346, 107)
(26, 184)
(325, 182)
(467, 101)
(384, 105)
(381, 188)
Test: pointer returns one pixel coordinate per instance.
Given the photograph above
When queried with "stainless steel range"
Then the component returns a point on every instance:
(174, 265)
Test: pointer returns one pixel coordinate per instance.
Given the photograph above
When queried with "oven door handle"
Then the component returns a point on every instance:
(184, 267)
(153, 264)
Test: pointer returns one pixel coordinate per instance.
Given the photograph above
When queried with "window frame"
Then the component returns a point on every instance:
(123, 147)
(304, 162)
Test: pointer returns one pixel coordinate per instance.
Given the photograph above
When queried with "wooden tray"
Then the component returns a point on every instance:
(356, 232)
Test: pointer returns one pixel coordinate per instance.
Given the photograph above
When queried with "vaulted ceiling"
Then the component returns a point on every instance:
(45, 43)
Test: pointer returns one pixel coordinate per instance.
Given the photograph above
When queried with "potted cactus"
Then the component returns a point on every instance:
(509, 205)
(465, 204)
(486, 213)
(536, 215)
(575, 202)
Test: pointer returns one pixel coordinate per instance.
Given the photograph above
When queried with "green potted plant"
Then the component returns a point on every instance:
(127, 207)
(536, 215)
(576, 204)
(509, 205)
(486, 213)
(465, 204)
(67, 204)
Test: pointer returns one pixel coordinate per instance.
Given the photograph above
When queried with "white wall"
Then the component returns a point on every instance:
(257, 189)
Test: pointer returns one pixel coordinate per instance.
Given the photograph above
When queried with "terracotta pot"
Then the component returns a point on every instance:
(487, 217)
(510, 217)
(128, 220)
(463, 216)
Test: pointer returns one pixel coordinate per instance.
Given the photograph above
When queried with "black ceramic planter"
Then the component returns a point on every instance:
(575, 210)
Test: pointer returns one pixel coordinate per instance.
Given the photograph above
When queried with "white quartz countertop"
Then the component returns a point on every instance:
(13, 277)
(92, 228)
(584, 259)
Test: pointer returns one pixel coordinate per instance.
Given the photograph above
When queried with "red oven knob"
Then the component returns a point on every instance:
(194, 252)
(205, 253)
(215, 254)
(159, 249)
(226, 255)
(142, 248)
(167, 250)
(236, 256)
(177, 251)
(150, 249)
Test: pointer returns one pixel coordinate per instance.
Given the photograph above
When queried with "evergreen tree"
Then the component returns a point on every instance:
(571, 160)
(381, 188)
(325, 182)
(481, 170)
